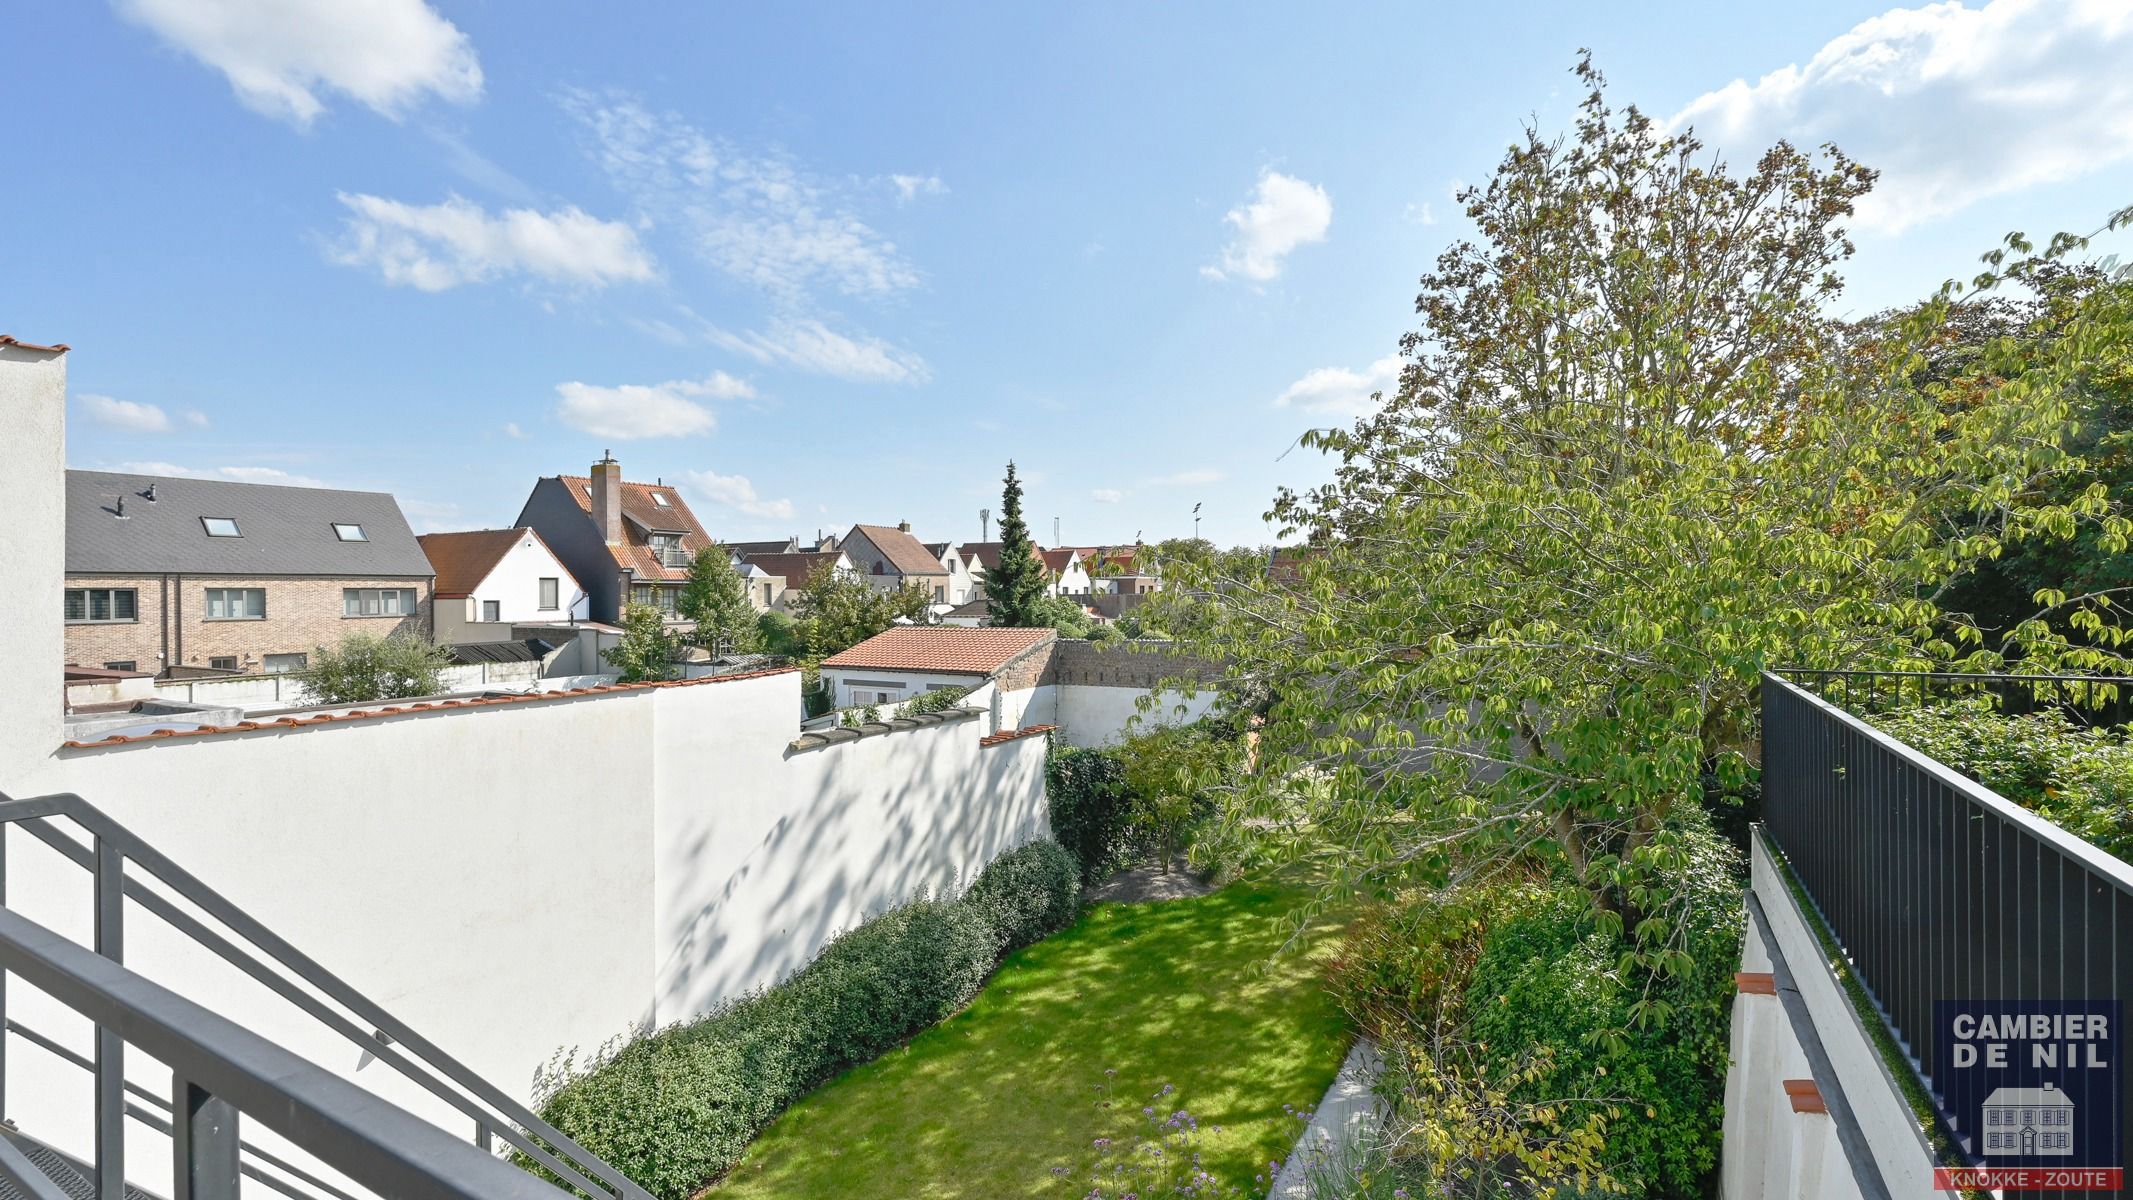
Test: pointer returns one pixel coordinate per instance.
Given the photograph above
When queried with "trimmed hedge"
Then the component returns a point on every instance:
(1026, 894)
(674, 1110)
(2076, 777)
(1091, 808)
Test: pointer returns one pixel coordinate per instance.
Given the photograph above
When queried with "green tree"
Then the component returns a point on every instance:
(1631, 464)
(716, 598)
(1062, 613)
(365, 667)
(1016, 585)
(1171, 771)
(779, 634)
(839, 610)
(645, 650)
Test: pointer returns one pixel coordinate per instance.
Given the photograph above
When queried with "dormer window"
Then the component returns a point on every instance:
(221, 526)
(660, 499)
(349, 533)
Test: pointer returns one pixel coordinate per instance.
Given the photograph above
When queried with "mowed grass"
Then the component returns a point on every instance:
(1189, 993)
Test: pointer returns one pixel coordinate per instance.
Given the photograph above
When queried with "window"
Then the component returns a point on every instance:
(492, 610)
(349, 533)
(101, 604)
(377, 602)
(939, 594)
(660, 499)
(551, 594)
(766, 595)
(126, 665)
(278, 663)
(223, 662)
(221, 526)
(236, 604)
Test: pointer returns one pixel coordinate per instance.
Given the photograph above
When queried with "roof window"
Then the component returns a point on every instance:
(660, 499)
(349, 533)
(221, 526)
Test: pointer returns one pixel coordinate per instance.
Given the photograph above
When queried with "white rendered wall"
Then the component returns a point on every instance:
(914, 683)
(33, 392)
(515, 584)
(1094, 716)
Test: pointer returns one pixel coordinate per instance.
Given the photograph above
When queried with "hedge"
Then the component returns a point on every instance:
(1091, 808)
(675, 1109)
(2078, 778)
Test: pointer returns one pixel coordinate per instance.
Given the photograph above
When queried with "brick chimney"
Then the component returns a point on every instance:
(903, 526)
(606, 488)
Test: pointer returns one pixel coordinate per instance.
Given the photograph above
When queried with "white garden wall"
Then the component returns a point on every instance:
(1093, 716)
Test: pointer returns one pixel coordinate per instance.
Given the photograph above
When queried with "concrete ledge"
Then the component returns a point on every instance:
(837, 734)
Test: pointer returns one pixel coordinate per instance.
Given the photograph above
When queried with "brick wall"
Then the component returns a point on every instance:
(1031, 669)
(302, 614)
(1125, 664)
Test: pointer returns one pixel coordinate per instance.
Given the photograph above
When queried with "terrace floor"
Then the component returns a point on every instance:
(1187, 992)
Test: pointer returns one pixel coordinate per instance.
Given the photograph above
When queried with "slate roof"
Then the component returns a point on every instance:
(286, 530)
(950, 649)
(747, 549)
(904, 552)
(641, 516)
(462, 560)
(798, 569)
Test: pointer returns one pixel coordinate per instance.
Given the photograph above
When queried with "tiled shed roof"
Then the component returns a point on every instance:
(951, 649)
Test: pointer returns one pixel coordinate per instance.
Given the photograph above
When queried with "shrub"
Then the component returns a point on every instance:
(366, 667)
(1091, 808)
(935, 701)
(2078, 778)
(1547, 988)
(675, 1109)
(1026, 894)
(778, 634)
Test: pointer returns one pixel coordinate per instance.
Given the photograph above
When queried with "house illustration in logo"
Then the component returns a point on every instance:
(2029, 1122)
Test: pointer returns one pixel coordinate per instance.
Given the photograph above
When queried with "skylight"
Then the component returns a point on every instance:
(221, 526)
(349, 533)
(660, 499)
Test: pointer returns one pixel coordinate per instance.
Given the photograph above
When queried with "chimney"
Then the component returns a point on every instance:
(606, 488)
(903, 526)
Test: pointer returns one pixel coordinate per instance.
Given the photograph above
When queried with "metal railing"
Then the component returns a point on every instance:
(1938, 889)
(218, 1066)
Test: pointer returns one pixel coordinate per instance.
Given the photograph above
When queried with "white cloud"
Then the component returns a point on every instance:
(1285, 212)
(1193, 478)
(273, 475)
(278, 55)
(1951, 104)
(638, 410)
(439, 246)
(810, 345)
(759, 218)
(1340, 390)
(911, 187)
(735, 492)
(129, 415)
(196, 419)
(1107, 495)
(1424, 213)
(512, 431)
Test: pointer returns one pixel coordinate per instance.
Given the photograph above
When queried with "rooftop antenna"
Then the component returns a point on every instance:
(984, 524)
(1196, 522)
(1055, 531)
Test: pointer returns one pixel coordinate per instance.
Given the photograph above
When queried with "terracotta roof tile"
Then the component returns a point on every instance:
(904, 552)
(463, 559)
(797, 569)
(639, 513)
(1009, 735)
(952, 649)
(364, 714)
(7, 339)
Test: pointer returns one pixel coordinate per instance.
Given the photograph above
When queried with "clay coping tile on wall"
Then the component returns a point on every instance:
(117, 739)
(1755, 983)
(8, 339)
(1805, 1096)
(1009, 735)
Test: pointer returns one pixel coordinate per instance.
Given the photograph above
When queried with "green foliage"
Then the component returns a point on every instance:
(838, 610)
(1062, 613)
(1091, 808)
(853, 718)
(1016, 586)
(366, 667)
(1104, 633)
(1172, 774)
(937, 700)
(674, 1110)
(2076, 777)
(1027, 894)
(716, 598)
(646, 650)
(1648, 1051)
(779, 634)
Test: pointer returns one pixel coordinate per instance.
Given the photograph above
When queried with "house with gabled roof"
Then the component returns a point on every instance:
(961, 583)
(1064, 571)
(890, 558)
(175, 576)
(907, 661)
(490, 581)
(627, 543)
(788, 575)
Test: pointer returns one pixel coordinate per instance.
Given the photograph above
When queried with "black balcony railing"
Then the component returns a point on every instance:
(1937, 889)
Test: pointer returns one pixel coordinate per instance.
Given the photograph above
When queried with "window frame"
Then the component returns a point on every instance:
(124, 664)
(492, 611)
(215, 661)
(660, 499)
(207, 525)
(209, 602)
(340, 528)
(88, 606)
(551, 593)
(267, 667)
(370, 603)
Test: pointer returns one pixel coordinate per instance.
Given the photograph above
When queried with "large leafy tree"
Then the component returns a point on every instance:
(838, 610)
(1016, 586)
(646, 649)
(1629, 466)
(716, 598)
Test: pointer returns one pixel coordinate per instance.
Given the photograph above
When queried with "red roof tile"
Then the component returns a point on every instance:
(952, 649)
(1009, 735)
(904, 552)
(11, 340)
(462, 560)
(639, 513)
(797, 569)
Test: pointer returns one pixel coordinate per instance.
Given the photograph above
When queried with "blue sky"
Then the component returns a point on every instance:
(840, 264)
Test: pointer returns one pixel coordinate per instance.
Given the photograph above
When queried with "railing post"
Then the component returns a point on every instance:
(203, 1142)
(110, 1050)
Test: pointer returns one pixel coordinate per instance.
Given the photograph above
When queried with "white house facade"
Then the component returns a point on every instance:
(493, 579)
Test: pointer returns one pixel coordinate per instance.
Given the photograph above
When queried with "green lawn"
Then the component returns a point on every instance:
(1182, 992)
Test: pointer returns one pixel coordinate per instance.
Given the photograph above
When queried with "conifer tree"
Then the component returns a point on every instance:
(1016, 586)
